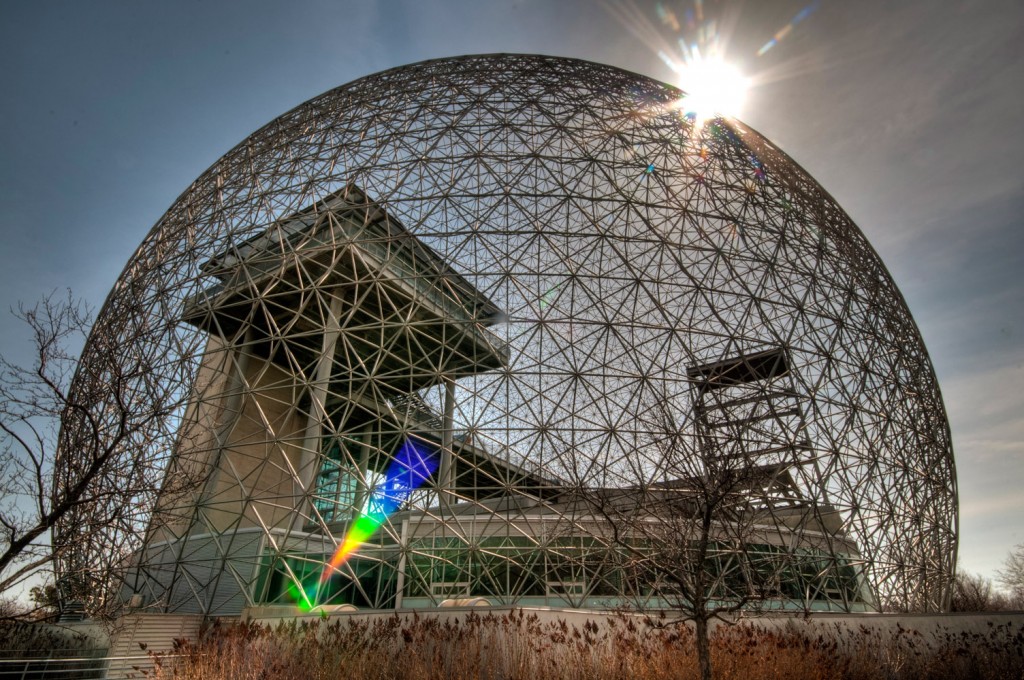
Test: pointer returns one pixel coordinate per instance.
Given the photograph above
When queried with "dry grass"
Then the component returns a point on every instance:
(517, 646)
(30, 639)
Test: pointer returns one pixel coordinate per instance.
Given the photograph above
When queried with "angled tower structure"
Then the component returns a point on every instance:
(322, 334)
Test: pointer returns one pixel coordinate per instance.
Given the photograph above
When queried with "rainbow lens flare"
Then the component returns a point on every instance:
(304, 597)
(781, 34)
(413, 464)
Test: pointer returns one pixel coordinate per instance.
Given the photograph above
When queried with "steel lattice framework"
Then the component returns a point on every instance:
(554, 284)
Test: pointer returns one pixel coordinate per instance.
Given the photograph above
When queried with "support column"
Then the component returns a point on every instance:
(403, 546)
(362, 469)
(446, 474)
(305, 483)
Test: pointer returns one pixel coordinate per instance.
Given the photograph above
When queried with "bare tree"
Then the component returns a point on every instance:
(83, 446)
(687, 540)
(41, 605)
(32, 399)
(12, 609)
(714, 522)
(1011, 576)
(975, 593)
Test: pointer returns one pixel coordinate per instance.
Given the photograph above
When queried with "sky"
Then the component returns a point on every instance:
(909, 113)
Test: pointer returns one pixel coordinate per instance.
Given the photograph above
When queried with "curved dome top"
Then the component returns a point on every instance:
(597, 258)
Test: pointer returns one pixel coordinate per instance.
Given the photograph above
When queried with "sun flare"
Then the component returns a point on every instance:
(713, 88)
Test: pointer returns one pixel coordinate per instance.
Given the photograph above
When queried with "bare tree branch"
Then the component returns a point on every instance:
(708, 520)
(1011, 576)
(76, 443)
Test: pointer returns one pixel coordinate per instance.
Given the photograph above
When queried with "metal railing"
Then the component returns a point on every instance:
(78, 667)
(55, 667)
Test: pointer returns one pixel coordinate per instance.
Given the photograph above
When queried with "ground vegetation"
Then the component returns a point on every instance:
(518, 645)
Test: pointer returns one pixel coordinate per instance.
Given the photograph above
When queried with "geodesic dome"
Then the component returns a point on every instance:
(384, 344)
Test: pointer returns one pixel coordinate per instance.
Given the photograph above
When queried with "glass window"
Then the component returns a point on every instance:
(337, 492)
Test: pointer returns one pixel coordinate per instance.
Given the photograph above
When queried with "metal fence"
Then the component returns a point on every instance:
(77, 664)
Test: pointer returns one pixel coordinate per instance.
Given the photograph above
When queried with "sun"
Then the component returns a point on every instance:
(713, 87)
